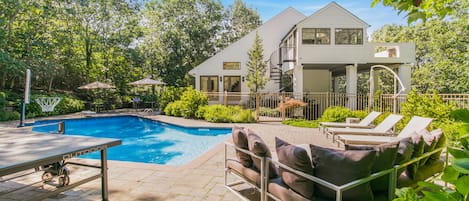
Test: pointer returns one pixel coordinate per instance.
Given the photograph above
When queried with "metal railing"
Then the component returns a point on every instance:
(278, 106)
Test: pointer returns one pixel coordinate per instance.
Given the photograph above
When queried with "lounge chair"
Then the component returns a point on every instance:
(384, 128)
(415, 124)
(364, 123)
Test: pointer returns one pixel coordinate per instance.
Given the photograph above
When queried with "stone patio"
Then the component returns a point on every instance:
(201, 179)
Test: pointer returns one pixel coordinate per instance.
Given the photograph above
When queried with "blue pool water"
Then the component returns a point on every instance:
(143, 140)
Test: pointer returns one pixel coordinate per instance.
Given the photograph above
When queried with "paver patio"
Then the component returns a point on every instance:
(201, 179)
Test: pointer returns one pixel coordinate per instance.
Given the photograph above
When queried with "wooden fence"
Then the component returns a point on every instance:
(280, 106)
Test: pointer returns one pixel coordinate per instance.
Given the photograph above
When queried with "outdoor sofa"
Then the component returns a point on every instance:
(310, 172)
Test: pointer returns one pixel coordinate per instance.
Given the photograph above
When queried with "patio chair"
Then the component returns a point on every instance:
(415, 124)
(364, 123)
(384, 128)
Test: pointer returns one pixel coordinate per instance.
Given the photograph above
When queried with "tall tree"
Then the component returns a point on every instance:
(240, 20)
(181, 34)
(257, 66)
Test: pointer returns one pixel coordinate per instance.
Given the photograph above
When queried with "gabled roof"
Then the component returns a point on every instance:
(336, 5)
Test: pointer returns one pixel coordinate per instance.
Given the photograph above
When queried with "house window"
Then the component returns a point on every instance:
(232, 83)
(348, 36)
(231, 65)
(209, 83)
(316, 36)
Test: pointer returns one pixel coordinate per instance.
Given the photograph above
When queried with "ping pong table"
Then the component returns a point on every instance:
(19, 152)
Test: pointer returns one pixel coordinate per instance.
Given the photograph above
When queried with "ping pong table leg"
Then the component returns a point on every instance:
(104, 177)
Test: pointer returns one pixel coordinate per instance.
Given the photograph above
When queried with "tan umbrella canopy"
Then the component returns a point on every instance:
(147, 81)
(97, 85)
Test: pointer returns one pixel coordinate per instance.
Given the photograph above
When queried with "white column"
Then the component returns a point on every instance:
(351, 85)
(298, 79)
(405, 71)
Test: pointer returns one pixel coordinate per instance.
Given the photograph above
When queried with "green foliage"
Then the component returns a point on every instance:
(9, 115)
(301, 123)
(257, 67)
(191, 100)
(174, 109)
(266, 111)
(170, 94)
(225, 114)
(358, 114)
(456, 174)
(335, 114)
(433, 106)
(423, 10)
(3, 101)
(241, 20)
(441, 53)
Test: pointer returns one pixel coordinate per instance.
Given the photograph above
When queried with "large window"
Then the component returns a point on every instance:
(231, 65)
(209, 83)
(232, 83)
(348, 36)
(316, 36)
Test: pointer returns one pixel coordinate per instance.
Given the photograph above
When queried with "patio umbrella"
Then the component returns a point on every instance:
(147, 81)
(96, 85)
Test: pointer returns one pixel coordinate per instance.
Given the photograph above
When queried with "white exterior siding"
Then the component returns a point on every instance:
(271, 34)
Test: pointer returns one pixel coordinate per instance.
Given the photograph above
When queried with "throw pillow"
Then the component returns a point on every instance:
(240, 140)
(385, 158)
(297, 158)
(340, 167)
(259, 148)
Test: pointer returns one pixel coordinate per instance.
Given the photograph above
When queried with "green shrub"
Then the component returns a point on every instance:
(169, 95)
(265, 111)
(191, 101)
(7, 116)
(3, 101)
(174, 109)
(433, 106)
(301, 123)
(358, 114)
(335, 114)
(224, 114)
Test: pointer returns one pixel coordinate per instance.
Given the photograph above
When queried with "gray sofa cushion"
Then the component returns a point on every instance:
(340, 167)
(385, 158)
(249, 174)
(298, 159)
(240, 140)
(259, 148)
(280, 190)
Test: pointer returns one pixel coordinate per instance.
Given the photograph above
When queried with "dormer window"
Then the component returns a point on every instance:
(348, 36)
(316, 36)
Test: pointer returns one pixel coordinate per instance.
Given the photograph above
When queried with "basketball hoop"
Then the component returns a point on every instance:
(48, 103)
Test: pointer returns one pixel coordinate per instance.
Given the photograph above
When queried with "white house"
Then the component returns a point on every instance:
(316, 49)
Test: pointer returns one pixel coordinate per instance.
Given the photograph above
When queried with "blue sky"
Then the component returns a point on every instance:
(376, 17)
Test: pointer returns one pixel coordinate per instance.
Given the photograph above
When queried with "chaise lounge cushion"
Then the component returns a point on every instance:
(340, 167)
(240, 140)
(259, 148)
(424, 172)
(419, 147)
(298, 159)
(385, 158)
(249, 174)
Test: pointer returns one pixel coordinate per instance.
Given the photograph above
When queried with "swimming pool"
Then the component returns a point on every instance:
(143, 140)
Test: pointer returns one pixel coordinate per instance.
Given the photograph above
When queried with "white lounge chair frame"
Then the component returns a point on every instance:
(415, 124)
(384, 128)
(364, 123)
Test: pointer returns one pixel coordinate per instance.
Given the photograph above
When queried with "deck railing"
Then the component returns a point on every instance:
(277, 106)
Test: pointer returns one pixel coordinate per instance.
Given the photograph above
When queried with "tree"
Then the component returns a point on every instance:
(181, 34)
(426, 9)
(441, 53)
(240, 20)
(257, 67)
